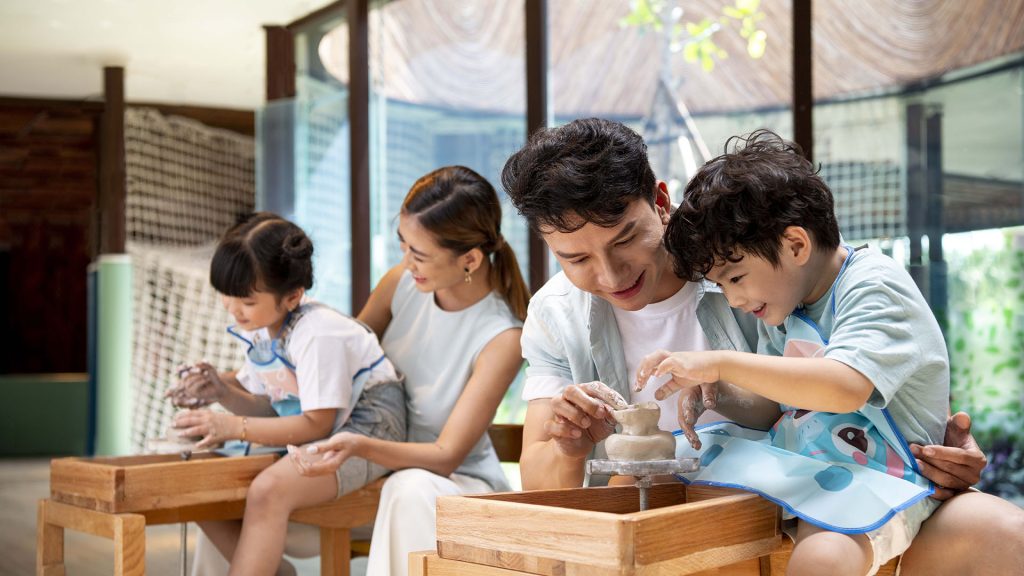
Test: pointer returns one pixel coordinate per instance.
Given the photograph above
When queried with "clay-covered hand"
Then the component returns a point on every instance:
(214, 427)
(690, 404)
(326, 456)
(582, 417)
(198, 385)
(957, 465)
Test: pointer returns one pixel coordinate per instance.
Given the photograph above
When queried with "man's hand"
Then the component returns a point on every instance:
(582, 417)
(957, 465)
(690, 404)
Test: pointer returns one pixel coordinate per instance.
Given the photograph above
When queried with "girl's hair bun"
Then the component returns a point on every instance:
(297, 246)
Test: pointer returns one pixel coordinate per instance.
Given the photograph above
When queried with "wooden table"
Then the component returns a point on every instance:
(117, 498)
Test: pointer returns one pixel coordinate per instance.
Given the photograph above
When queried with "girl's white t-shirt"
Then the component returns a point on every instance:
(327, 349)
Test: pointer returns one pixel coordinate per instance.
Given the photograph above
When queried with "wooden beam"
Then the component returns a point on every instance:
(233, 119)
(359, 132)
(537, 113)
(113, 187)
(327, 12)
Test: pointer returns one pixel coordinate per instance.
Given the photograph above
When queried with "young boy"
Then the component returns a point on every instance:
(847, 346)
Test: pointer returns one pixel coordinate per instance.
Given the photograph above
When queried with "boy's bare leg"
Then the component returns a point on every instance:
(819, 551)
(972, 533)
(272, 497)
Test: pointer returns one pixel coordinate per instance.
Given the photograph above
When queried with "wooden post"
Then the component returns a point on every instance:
(49, 545)
(335, 551)
(537, 113)
(280, 63)
(129, 545)
(111, 228)
(803, 98)
(359, 127)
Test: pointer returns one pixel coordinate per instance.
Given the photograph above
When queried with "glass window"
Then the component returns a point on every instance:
(303, 145)
(453, 92)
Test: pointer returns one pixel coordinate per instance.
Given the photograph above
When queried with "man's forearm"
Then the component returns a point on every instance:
(543, 466)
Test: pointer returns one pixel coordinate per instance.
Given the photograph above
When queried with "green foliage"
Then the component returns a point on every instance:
(985, 332)
(696, 40)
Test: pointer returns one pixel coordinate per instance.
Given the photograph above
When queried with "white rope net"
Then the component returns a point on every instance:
(186, 184)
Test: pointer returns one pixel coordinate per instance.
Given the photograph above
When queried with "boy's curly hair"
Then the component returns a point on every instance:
(744, 200)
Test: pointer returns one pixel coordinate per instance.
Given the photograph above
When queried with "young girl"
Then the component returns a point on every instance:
(450, 316)
(310, 372)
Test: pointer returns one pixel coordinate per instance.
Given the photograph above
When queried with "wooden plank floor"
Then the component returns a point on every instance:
(22, 484)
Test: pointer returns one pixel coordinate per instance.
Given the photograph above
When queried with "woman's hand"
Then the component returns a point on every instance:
(326, 456)
(214, 427)
(957, 465)
(198, 386)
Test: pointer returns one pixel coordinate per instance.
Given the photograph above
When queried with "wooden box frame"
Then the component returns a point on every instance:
(601, 531)
(149, 482)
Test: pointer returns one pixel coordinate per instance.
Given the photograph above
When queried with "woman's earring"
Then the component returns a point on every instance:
(469, 279)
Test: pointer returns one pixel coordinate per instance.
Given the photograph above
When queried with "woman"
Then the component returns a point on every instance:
(450, 318)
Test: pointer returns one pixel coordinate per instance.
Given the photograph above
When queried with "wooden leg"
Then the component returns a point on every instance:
(49, 545)
(418, 563)
(335, 552)
(129, 545)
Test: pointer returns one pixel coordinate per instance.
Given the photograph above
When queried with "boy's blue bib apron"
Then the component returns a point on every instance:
(270, 362)
(847, 473)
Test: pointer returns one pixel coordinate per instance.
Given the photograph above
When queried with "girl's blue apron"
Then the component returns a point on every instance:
(847, 473)
(271, 364)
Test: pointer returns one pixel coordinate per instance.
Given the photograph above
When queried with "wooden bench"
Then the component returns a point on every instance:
(89, 495)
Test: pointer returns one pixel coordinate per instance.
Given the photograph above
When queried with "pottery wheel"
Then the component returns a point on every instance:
(641, 470)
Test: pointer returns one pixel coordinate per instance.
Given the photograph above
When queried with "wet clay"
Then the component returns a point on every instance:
(640, 439)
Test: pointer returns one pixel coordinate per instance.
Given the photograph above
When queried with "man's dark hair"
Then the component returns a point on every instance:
(744, 200)
(588, 170)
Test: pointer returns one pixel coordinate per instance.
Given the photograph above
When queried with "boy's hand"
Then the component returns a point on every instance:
(199, 386)
(687, 369)
(214, 427)
(957, 465)
(693, 375)
(582, 417)
(324, 457)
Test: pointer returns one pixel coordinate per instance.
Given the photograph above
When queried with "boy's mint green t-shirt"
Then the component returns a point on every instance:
(882, 327)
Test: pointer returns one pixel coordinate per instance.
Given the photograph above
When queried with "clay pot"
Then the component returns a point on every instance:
(640, 438)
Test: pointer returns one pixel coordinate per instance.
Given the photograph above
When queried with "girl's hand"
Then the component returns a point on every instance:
(326, 456)
(687, 369)
(199, 385)
(214, 427)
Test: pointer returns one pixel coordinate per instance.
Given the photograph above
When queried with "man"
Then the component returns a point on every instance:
(588, 189)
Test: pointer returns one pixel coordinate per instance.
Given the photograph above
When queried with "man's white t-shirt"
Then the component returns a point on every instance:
(670, 325)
